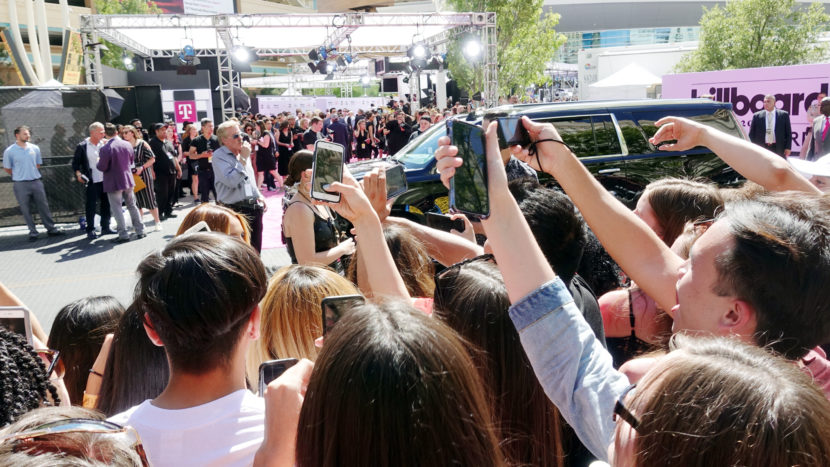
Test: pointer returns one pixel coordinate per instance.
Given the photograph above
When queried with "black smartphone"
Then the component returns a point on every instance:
(271, 370)
(512, 132)
(334, 307)
(468, 188)
(395, 181)
(327, 168)
(444, 222)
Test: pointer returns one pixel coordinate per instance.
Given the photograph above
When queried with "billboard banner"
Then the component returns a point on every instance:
(794, 87)
(197, 7)
(72, 58)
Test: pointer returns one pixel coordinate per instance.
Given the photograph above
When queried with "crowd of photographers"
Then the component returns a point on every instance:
(686, 332)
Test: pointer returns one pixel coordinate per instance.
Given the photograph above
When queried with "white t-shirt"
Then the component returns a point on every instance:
(224, 432)
(92, 157)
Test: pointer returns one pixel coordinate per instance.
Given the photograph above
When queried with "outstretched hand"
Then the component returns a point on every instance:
(374, 185)
(354, 205)
(538, 132)
(688, 134)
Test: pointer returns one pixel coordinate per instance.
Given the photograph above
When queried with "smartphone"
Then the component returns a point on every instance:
(468, 188)
(444, 222)
(327, 168)
(200, 226)
(512, 132)
(271, 370)
(395, 181)
(334, 307)
(16, 319)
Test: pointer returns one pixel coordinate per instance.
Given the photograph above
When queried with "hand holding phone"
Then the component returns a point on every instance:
(444, 222)
(271, 370)
(512, 132)
(395, 181)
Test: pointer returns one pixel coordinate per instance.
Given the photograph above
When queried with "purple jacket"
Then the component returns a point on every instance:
(115, 160)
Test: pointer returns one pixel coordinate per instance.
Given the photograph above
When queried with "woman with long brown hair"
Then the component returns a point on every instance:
(144, 160)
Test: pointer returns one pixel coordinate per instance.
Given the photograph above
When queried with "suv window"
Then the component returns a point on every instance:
(635, 139)
(588, 136)
(418, 154)
(720, 120)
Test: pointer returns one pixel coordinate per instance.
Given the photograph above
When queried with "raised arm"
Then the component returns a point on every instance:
(750, 160)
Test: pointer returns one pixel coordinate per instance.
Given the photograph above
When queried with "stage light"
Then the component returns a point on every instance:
(241, 54)
(365, 80)
(418, 51)
(472, 48)
(313, 67)
(323, 53)
(341, 61)
(127, 61)
(313, 56)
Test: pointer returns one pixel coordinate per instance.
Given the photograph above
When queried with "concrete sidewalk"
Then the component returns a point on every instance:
(53, 271)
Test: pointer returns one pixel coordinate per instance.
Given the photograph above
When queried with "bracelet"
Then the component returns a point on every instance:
(93, 372)
(531, 149)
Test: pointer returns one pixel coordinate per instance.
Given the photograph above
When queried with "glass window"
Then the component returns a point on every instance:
(634, 137)
(419, 153)
(588, 136)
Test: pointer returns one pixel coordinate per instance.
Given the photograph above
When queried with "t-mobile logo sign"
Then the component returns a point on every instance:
(185, 111)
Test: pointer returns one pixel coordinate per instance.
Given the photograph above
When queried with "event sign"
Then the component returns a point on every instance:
(794, 87)
(185, 111)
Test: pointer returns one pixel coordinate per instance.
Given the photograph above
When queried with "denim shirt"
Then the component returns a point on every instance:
(571, 365)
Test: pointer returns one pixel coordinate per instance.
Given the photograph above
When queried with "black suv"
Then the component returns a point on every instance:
(609, 137)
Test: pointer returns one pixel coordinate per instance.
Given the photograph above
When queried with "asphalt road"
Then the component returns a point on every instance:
(53, 271)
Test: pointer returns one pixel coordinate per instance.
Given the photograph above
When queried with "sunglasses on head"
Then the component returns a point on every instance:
(52, 361)
(46, 439)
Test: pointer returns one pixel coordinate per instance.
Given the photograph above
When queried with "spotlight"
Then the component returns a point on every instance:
(241, 54)
(418, 51)
(323, 53)
(313, 67)
(472, 48)
(348, 58)
(313, 56)
(341, 61)
(127, 61)
(365, 80)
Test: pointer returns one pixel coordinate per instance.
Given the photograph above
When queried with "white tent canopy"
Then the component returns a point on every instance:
(630, 75)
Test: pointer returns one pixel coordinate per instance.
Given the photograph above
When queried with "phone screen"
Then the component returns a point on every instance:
(334, 307)
(16, 320)
(443, 222)
(328, 168)
(512, 132)
(468, 188)
(271, 370)
(395, 181)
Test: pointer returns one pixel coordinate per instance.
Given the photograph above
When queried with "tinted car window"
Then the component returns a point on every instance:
(720, 120)
(634, 138)
(588, 136)
(418, 153)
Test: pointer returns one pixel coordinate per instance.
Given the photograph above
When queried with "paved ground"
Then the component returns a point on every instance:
(51, 272)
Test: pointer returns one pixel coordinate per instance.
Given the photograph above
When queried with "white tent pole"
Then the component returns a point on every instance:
(65, 12)
(31, 31)
(43, 32)
(14, 27)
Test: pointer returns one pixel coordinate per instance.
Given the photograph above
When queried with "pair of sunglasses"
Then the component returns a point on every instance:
(46, 439)
(52, 361)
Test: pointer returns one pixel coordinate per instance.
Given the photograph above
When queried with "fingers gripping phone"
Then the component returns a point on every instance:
(334, 307)
(16, 319)
(444, 222)
(271, 370)
(512, 132)
(327, 168)
(468, 188)
(395, 181)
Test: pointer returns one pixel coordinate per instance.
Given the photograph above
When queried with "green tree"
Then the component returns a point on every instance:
(113, 57)
(757, 33)
(527, 40)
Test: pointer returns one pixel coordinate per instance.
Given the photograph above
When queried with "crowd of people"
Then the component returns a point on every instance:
(465, 352)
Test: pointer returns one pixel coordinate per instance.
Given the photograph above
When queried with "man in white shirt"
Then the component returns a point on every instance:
(770, 128)
(199, 296)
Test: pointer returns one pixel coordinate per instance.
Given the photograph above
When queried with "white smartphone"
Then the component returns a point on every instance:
(16, 319)
(326, 169)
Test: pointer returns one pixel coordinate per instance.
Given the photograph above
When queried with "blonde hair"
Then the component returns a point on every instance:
(291, 315)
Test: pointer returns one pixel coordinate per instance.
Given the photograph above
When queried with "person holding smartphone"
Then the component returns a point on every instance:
(309, 232)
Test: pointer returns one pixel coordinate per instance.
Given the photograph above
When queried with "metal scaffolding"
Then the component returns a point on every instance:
(136, 33)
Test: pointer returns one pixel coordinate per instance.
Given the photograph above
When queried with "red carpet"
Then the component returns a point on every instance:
(272, 221)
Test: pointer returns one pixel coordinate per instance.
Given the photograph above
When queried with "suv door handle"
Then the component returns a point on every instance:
(609, 171)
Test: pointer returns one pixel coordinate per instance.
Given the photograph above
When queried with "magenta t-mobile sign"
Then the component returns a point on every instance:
(794, 87)
(185, 111)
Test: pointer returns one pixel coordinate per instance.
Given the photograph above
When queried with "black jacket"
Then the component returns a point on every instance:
(79, 160)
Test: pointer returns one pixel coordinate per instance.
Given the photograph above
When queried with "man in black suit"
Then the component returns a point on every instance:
(820, 142)
(771, 129)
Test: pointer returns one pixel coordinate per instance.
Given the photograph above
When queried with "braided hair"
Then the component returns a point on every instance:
(23, 381)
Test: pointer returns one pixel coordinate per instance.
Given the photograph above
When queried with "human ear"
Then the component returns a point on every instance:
(740, 319)
(151, 331)
(253, 324)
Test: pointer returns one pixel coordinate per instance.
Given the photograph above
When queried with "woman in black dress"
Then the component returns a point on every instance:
(362, 141)
(285, 143)
(265, 153)
(144, 159)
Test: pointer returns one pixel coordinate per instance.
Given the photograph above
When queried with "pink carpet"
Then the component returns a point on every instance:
(272, 221)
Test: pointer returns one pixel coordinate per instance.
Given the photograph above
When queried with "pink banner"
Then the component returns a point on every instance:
(794, 87)
(185, 111)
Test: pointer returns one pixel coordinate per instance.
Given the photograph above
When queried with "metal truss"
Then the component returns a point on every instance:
(341, 25)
